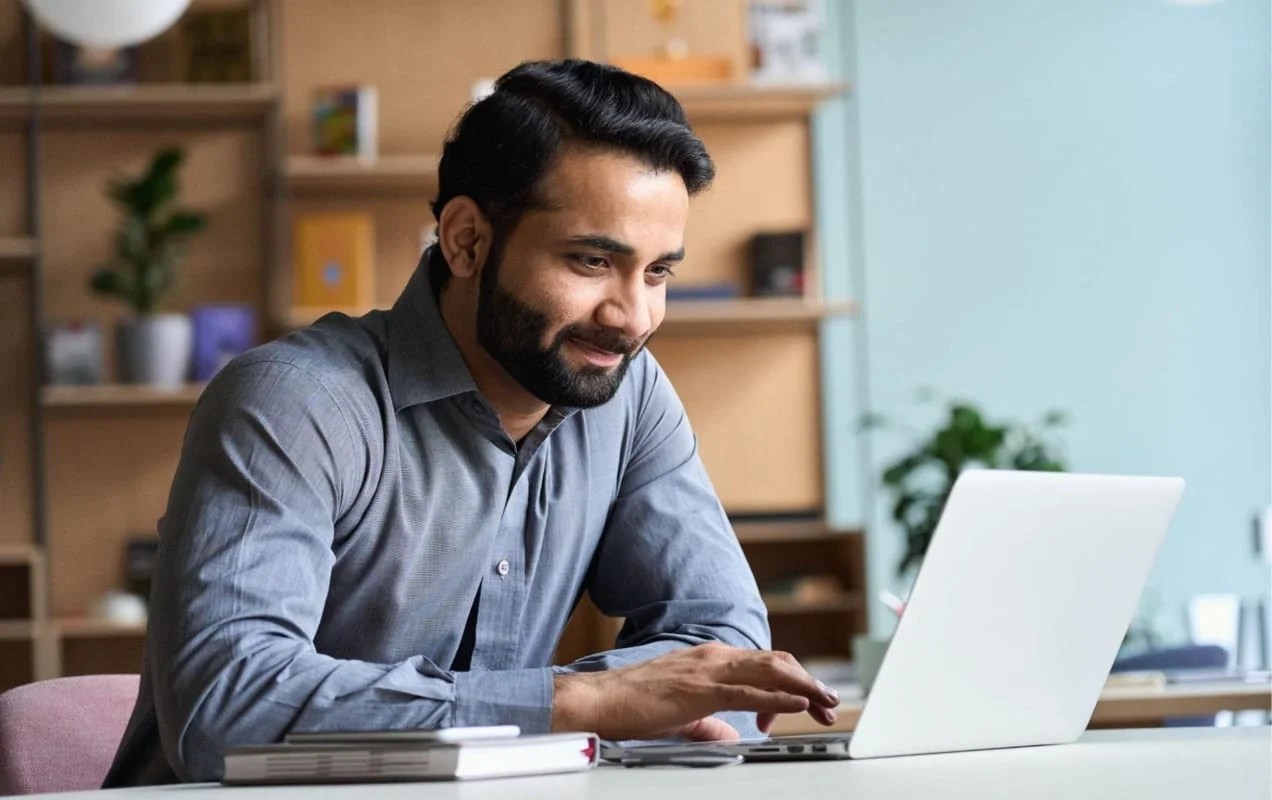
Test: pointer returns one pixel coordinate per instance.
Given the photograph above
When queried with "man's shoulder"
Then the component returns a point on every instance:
(339, 355)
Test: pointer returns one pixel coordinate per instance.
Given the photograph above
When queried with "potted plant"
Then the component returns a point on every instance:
(153, 347)
(921, 480)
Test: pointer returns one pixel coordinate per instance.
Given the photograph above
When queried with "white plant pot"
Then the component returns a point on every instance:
(154, 349)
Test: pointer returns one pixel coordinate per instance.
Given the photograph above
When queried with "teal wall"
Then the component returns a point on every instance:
(1059, 203)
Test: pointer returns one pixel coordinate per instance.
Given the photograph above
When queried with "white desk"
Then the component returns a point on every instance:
(1192, 763)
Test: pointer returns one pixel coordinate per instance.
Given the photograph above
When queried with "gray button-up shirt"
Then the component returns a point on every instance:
(345, 495)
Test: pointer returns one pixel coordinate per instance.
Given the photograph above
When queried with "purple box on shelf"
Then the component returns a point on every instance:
(220, 334)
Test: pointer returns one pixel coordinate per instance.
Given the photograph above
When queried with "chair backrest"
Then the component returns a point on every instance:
(60, 735)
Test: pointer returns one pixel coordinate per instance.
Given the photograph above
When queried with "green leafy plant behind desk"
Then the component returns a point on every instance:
(920, 481)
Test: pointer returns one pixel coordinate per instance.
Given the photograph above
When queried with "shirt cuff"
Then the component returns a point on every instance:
(521, 697)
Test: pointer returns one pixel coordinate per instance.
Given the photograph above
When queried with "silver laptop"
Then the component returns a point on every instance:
(1014, 620)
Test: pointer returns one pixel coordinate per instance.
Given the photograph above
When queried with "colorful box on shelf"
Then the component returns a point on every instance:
(334, 260)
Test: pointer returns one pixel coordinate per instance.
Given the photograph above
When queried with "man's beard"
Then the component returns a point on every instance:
(513, 332)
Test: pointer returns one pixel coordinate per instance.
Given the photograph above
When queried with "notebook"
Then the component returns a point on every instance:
(405, 760)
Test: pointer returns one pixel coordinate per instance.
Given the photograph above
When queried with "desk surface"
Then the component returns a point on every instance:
(1117, 706)
(1193, 763)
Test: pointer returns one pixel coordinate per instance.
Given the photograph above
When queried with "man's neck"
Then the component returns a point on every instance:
(518, 410)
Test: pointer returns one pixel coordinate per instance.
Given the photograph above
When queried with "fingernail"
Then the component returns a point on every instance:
(830, 693)
(832, 716)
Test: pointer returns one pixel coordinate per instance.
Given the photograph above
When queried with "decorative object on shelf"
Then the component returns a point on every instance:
(152, 348)
(673, 64)
(777, 264)
(217, 44)
(334, 261)
(120, 608)
(220, 333)
(786, 41)
(106, 23)
(345, 121)
(920, 481)
(721, 290)
(95, 66)
(73, 353)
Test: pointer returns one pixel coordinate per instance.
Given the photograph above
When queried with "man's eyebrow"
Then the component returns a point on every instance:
(611, 245)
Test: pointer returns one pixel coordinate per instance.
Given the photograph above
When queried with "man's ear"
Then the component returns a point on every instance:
(464, 234)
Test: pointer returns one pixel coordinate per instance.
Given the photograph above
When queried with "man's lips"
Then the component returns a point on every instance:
(596, 355)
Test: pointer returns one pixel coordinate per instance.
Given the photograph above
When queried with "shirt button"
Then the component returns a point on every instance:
(503, 567)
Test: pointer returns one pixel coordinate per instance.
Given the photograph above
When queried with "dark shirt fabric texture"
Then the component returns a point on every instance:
(345, 494)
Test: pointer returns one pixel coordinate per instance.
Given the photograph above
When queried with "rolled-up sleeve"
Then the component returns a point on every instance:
(669, 562)
(268, 468)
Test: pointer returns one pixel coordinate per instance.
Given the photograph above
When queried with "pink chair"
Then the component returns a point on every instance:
(60, 735)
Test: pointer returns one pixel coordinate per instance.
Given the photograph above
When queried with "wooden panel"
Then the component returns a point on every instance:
(16, 663)
(710, 28)
(221, 177)
(762, 184)
(12, 43)
(119, 394)
(16, 376)
(107, 656)
(341, 176)
(754, 404)
(109, 475)
(13, 184)
(745, 103)
(421, 57)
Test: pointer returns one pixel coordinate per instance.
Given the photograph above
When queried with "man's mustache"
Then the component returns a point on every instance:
(603, 339)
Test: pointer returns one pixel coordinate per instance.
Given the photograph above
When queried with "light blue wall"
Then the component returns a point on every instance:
(1060, 203)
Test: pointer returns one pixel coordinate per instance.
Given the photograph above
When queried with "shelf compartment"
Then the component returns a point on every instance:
(157, 102)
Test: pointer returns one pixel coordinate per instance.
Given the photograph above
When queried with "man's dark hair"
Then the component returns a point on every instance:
(504, 144)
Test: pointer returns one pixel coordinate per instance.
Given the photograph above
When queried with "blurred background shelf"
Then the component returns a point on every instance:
(16, 249)
(89, 628)
(789, 531)
(749, 314)
(18, 630)
(159, 102)
(390, 173)
(118, 395)
(778, 604)
(744, 102)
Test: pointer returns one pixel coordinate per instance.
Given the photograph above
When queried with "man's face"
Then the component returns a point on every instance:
(574, 291)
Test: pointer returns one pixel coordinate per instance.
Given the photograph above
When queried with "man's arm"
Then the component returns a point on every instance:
(670, 564)
(269, 465)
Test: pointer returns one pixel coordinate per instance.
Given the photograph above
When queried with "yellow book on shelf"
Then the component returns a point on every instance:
(334, 261)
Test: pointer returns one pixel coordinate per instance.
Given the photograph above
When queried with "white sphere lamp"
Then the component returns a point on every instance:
(106, 23)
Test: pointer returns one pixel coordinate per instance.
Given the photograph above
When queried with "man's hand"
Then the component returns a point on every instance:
(676, 694)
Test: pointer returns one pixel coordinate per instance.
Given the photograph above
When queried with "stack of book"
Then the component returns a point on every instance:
(455, 754)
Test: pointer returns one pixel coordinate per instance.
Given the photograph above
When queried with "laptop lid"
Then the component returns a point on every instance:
(1017, 612)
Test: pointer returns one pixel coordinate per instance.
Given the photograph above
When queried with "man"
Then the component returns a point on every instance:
(385, 522)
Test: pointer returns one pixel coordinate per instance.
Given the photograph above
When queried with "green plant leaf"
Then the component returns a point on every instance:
(183, 223)
(113, 283)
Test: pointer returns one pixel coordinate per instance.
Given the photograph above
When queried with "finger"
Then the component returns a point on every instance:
(765, 721)
(710, 729)
(825, 716)
(778, 671)
(751, 698)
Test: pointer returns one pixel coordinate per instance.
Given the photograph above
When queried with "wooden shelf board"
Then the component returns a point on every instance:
(757, 532)
(300, 317)
(415, 174)
(750, 314)
(790, 605)
(18, 554)
(17, 630)
(118, 395)
(17, 248)
(730, 102)
(89, 628)
(174, 102)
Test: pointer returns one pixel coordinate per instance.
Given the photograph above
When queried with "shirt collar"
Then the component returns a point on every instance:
(424, 363)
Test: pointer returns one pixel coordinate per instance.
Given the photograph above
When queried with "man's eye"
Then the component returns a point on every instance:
(592, 262)
(662, 271)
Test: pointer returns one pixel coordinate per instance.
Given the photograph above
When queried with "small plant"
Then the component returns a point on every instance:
(920, 481)
(147, 244)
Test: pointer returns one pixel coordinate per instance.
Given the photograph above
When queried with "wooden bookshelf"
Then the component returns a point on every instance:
(159, 102)
(118, 395)
(415, 174)
(19, 554)
(90, 628)
(749, 315)
(18, 630)
(748, 102)
(779, 605)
